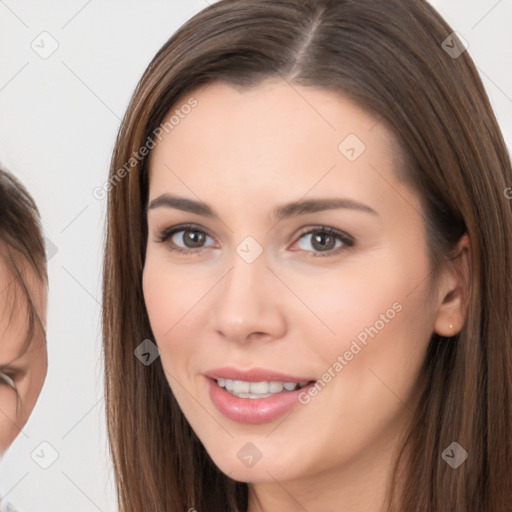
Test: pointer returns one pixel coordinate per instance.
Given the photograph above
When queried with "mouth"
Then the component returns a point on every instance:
(255, 396)
(261, 389)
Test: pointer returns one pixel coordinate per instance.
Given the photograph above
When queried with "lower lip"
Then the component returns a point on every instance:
(253, 411)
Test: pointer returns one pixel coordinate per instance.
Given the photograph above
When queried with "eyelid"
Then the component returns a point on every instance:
(168, 232)
(327, 229)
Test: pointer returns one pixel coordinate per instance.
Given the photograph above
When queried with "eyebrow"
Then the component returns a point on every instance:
(280, 213)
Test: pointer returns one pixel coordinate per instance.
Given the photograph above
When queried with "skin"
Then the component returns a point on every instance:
(244, 153)
(27, 369)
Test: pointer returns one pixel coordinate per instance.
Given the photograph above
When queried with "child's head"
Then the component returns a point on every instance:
(23, 298)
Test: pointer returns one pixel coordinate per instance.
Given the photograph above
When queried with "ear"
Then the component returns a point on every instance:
(453, 290)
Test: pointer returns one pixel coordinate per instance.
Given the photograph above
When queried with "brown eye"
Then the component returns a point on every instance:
(324, 240)
(192, 239)
(186, 239)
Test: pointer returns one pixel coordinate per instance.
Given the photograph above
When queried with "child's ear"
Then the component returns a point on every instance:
(453, 291)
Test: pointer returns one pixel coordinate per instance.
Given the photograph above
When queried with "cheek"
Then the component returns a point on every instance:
(376, 316)
(30, 387)
(169, 295)
(173, 299)
(9, 417)
(382, 346)
(354, 302)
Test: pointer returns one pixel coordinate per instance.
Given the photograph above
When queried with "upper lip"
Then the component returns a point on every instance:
(255, 375)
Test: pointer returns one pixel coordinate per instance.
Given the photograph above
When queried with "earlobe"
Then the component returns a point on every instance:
(451, 316)
(454, 292)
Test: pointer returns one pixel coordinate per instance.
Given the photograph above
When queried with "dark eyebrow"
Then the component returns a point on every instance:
(318, 205)
(282, 212)
(181, 203)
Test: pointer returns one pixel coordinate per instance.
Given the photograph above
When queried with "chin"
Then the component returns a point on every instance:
(241, 468)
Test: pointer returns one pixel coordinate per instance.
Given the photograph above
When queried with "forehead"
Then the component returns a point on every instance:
(274, 133)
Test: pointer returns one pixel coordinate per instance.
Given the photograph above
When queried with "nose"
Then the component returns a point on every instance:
(249, 303)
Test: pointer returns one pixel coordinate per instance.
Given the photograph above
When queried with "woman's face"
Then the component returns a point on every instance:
(283, 248)
(22, 371)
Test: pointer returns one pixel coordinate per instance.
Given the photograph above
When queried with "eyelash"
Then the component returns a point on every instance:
(346, 239)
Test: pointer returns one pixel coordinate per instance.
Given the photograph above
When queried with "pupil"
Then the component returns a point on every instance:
(193, 238)
(324, 240)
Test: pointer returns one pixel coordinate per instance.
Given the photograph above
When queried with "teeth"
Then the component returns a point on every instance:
(239, 386)
(244, 389)
(277, 387)
(257, 387)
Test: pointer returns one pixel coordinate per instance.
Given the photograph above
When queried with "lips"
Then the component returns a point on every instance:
(249, 408)
(256, 375)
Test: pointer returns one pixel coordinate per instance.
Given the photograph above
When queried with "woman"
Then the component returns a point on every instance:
(23, 297)
(307, 223)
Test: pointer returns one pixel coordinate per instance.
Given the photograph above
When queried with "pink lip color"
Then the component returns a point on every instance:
(254, 375)
(253, 411)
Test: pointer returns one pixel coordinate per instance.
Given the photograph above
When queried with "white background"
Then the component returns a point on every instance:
(58, 120)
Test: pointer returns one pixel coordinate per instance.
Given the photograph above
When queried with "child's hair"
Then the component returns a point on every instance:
(22, 251)
(400, 60)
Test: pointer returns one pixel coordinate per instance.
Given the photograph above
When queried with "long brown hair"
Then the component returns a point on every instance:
(390, 57)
